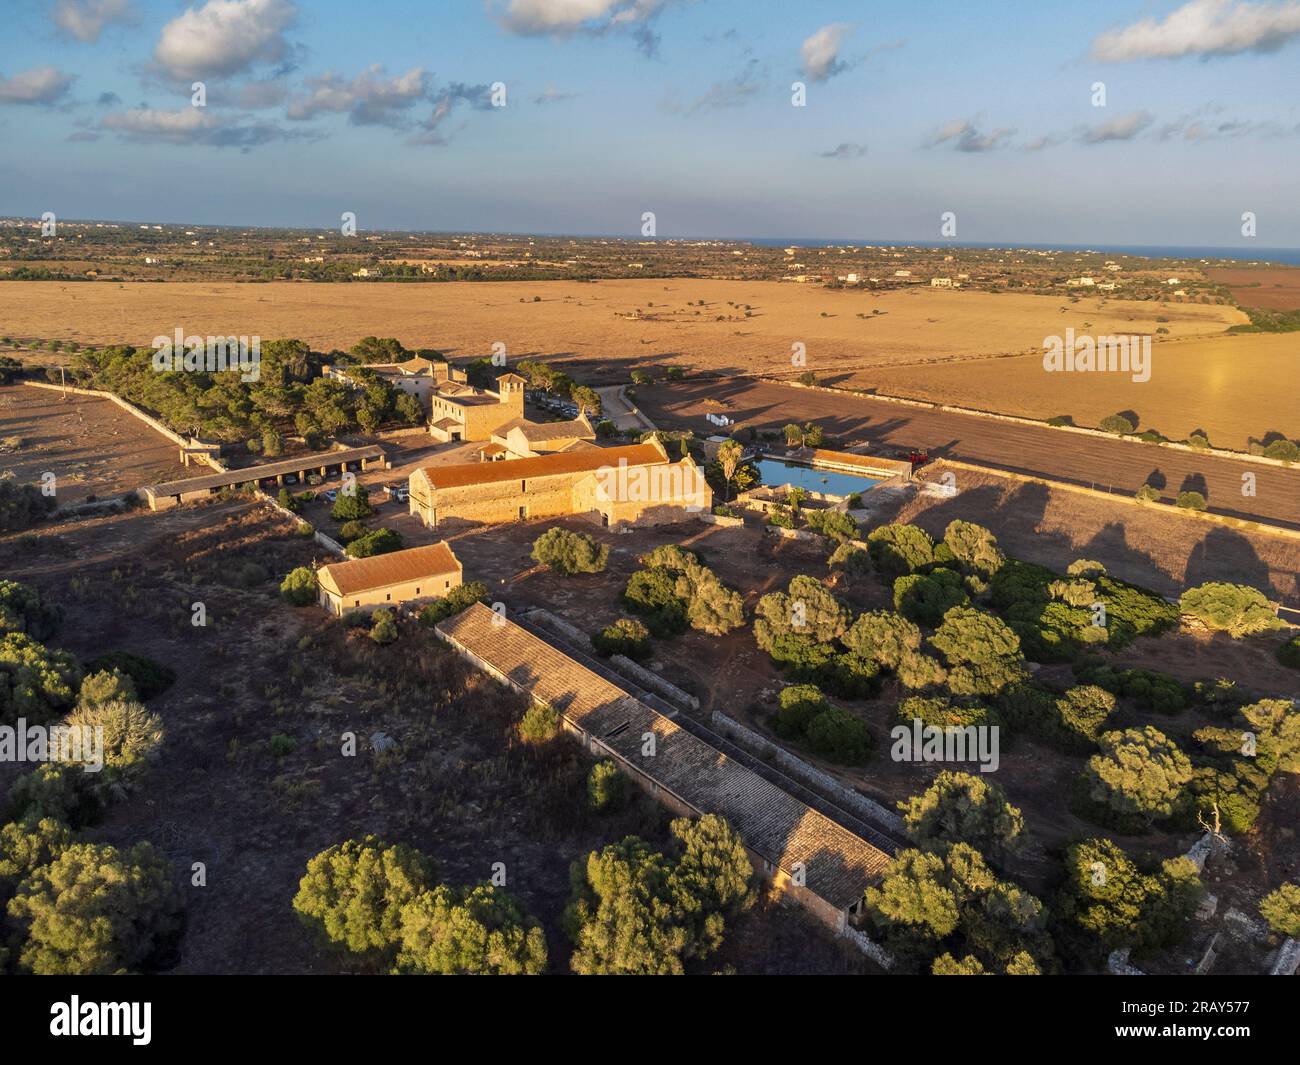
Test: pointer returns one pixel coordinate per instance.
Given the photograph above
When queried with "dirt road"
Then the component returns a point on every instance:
(1113, 465)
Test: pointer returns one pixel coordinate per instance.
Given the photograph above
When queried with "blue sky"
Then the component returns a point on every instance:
(616, 107)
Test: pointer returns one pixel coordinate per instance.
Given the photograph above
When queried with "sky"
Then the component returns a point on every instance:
(1120, 122)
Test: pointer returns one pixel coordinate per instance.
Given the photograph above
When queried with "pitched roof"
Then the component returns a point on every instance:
(838, 863)
(301, 464)
(585, 461)
(396, 567)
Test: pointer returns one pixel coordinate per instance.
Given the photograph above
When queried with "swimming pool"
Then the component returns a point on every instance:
(775, 472)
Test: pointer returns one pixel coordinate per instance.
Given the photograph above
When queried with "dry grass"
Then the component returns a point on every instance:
(1271, 288)
(1227, 386)
(585, 321)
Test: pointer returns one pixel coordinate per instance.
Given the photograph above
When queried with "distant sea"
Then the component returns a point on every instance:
(1291, 256)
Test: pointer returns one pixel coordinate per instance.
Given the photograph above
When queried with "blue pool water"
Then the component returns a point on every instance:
(775, 473)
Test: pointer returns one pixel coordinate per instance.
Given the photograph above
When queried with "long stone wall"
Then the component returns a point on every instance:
(868, 809)
(650, 679)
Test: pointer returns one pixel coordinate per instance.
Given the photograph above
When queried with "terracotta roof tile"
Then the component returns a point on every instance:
(470, 473)
(396, 567)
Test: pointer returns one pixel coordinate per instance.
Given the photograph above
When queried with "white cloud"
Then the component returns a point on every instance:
(225, 37)
(40, 85)
(560, 18)
(1204, 28)
(1123, 128)
(371, 98)
(821, 52)
(85, 19)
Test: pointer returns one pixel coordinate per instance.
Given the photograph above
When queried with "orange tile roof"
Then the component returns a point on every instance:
(470, 473)
(396, 567)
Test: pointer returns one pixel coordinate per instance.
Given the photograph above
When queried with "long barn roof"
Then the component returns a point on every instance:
(471, 473)
(838, 864)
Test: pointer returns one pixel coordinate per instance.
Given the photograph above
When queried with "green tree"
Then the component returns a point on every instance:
(1236, 609)
(383, 628)
(606, 787)
(376, 542)
(1281, 909)
(974, 547)
(1139, 774)
(962, 808)
(299, 587)
(458, 599)
(806, 609)
(900, 549)
(568, 552)
(353, 894)
(36, 683)
(23, 609)
(352, 505)
(480, 931)
(95, 910)
(926, 597)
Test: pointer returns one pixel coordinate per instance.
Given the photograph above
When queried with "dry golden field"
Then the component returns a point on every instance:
(591, 322)
(1234, 387)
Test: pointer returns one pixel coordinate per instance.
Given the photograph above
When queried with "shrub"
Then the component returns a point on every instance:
(1080, 715)
(22, 609)
(36, 683)
(352, 506)
(352, 530)
(1117, 424)
(606, 787)
(95, 910)
(1286, 450)
(974, 547)
(1148, 494)
(22, 505)
(941, 712)
(626, 636)
(1190, 501)
(1288, 653)
(458, 599)
(1232, 608)
(299, 587)
(379, 542)
(833, 523)
(919, 671)
(562, 551)
(540, 724)
(476, 931)
(383, 629)
(105, 687)
(1281, 909)
(798, 705)
(838, 735)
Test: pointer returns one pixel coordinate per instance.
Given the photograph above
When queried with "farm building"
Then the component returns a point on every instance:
(636, 484)
(524, 439)
(817, 861)
(268, 476)
(428, 572)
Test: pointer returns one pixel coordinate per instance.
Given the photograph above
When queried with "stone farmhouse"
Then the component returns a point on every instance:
(457, 410)
(635, 484)
(428, 572)
(524, 439)
(818, 862)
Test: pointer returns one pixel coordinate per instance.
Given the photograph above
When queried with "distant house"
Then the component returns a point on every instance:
(398, 577)
(521, 438)
(1080, 282)
(941, 282)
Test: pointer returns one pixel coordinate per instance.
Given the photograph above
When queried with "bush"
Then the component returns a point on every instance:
(36, 683)
(149, 677)
(540, 724)
(477, 931)
(95, 910)
(458, 599)
(900, 549)
(1289, 653)
(22, 609)
(961, 808)
(941, 712)
(626, 636)
(379, 542)
(1281, 909)
(352, 506)
(1190, 501)
(383, 629)
(1232, 608)
(562, 551)
(652, 593)
(1080, 715)
(974, 547)
(299, 587)
(105, 687)
(798, 705)
(1117, 424)
(833, 523)
(22, 505)
(1147, 494)
(838, 735)
(606, 787)
(1285, 450)
(883, 636)
(353, 530)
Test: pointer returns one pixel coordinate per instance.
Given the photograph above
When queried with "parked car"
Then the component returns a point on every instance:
(399, 492)
(330, 494)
